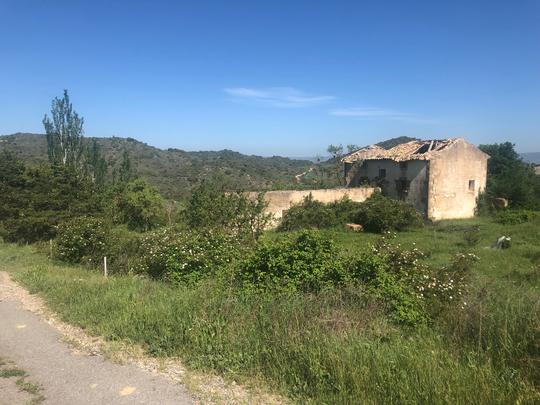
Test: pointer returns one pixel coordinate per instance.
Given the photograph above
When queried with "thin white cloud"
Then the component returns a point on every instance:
(277, 96)
(377, 113)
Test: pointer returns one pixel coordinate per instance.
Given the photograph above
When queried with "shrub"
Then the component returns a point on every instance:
(412, 291)
(314, 214)
(33, 201)
(305, 261)
(211, 206)
(380, 214)
(123, 249)
(140, 206)
(82, 239)
(515, 217)
(471, 236)
(184, 256)
(29, 229)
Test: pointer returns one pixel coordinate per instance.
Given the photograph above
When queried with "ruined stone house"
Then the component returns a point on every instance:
(440, 178)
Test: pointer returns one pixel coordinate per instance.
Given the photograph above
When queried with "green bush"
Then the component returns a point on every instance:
(184, 256)
(139, 205)
(122, 249)
(381, 214)
(314, 214)
(34, 200)
(412, 291)
(82, 239)
(515, 217)
(212, 206)
(28, 229)
(471, 236)
(305, 261)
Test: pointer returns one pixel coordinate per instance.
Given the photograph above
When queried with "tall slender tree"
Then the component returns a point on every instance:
(336, 151)
(126, 170)
(95, 165)
(64, 133)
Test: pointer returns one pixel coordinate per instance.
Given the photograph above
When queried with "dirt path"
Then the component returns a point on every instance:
(68, 376)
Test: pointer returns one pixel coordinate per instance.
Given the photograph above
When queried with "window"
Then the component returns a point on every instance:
(402, 187)
(382, 173)
(471, 185)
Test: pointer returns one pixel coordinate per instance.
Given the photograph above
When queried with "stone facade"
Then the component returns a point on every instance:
(441, 179)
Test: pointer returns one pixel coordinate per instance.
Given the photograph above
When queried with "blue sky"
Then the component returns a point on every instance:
(276, 77)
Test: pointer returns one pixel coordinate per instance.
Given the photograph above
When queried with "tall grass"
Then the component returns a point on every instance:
(332, 347)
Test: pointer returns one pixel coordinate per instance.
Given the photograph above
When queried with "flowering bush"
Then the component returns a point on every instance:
(411, 289)
(81, 239)
(184, 256)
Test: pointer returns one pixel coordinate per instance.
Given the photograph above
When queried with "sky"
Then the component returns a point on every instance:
(276, 77)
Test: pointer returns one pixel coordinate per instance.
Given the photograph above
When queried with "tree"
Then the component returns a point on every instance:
(126, 172)
(336, 151)
(212, 207)
(95, 165)
(140, 206)
(64, 133)
(352, 147)
(33, 201)
(12, 186)
(509, 177)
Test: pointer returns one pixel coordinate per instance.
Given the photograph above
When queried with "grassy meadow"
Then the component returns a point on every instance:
(334, 346)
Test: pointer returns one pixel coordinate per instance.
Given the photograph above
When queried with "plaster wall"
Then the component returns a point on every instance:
(414, 172)
(281, 200)
(451, 194)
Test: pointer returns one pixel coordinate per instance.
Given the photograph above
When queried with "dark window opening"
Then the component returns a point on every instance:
(402, 187)
(471, 185)
(382, 173)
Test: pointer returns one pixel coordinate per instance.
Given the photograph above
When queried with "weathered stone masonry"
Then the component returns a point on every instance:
(440, 178)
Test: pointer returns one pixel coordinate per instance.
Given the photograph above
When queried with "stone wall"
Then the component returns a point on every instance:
(281, 200)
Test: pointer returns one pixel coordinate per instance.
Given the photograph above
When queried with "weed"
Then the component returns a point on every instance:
(11, 372)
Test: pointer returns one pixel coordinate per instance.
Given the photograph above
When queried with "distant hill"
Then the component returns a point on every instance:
(532, 157)
(390, 143)
(174, 171)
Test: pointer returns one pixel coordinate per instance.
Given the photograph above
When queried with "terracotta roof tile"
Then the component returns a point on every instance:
(414, 150)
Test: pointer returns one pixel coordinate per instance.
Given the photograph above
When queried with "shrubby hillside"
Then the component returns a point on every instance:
(174, 172)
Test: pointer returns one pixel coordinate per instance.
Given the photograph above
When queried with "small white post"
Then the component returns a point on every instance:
(105, 266)
(50, 248)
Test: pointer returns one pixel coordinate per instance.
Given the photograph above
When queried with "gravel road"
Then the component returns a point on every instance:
(69, 377)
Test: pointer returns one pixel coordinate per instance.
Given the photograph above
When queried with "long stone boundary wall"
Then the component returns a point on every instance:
(281, 200)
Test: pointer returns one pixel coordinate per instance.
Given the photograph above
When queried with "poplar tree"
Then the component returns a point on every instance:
(96, 166)
(64, 133)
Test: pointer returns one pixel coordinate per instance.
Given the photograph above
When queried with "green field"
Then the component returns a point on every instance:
(336, 346)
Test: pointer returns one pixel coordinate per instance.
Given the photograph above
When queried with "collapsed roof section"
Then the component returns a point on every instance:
(414, 150)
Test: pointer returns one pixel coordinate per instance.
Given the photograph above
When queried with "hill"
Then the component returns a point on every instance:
(531, 157)
(390, 143)
(174, 171)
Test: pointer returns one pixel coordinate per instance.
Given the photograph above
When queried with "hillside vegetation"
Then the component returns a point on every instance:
(173, 171)
(334, 345)
(405, 312)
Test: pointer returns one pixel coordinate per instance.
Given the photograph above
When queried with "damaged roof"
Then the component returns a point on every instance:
(414, 150)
